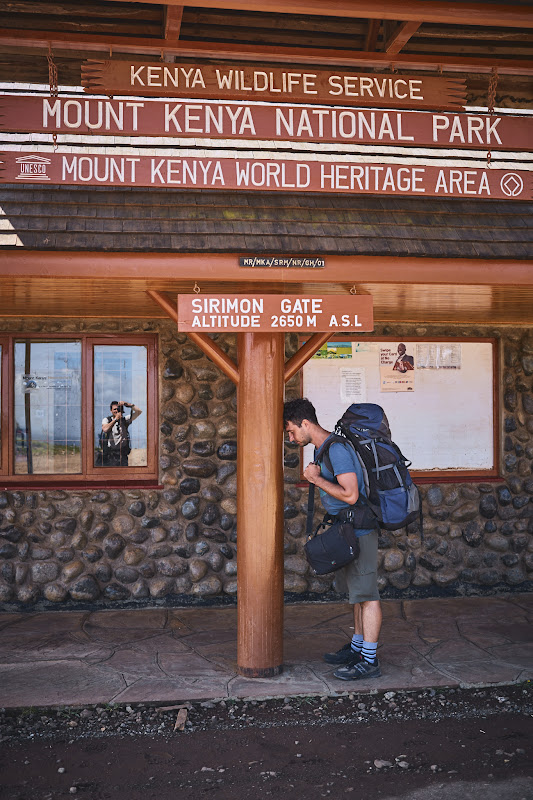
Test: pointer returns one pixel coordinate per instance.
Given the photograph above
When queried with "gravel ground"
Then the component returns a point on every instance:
(452, 744)
(152, 720)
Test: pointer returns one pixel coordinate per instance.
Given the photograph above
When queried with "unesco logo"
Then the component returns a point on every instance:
(512, 184)
(33, 168)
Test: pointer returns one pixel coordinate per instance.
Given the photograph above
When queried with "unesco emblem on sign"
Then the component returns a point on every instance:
(512, 184)
(32, 168)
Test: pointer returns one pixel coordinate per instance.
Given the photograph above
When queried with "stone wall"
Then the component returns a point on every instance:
(65, 547)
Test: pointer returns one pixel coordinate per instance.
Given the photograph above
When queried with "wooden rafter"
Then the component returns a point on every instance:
(266, 53)
(467, 13)
(401, 36)
(173, 17)
(372, 33)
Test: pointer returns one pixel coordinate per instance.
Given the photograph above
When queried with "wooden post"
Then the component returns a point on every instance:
(260, 504)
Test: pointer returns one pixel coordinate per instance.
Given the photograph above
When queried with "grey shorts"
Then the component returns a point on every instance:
(359, 579)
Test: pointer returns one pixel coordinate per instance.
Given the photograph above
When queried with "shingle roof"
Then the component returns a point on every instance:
(60, 218)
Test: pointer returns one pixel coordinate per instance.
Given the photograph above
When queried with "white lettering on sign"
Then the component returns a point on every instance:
(181, 171)
(259, 81)
(376, 87)
(103, 169)
(180, 118)
(370, 177)
(155, 75)
(333, 123)
(466, 129)
(224, 305)
(466, 181)
(269, 174)
(96, 115)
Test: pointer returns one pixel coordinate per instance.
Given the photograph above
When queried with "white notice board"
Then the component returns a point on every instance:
(441, 413)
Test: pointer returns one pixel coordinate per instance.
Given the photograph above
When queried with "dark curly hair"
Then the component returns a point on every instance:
(297, 410)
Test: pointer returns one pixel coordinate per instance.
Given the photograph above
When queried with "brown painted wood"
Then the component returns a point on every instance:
(394, 301)
(401, 36)
(462, 13)
(268, 53)
(89, 475)
(260, 504)
(273, 174)
(371, 38)
(205, 343)
(272, 313)
(256, 82)
(173, 20)
(4, 397)
(20, 267)
(190, 119)
(304, 353)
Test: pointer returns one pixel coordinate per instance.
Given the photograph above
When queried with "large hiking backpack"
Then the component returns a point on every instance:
(392, 499)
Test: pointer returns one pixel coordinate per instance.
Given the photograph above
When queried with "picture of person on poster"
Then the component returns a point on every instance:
(403, 362)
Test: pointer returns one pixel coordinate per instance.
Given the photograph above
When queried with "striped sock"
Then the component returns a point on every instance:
(369, 651)
(357, 642)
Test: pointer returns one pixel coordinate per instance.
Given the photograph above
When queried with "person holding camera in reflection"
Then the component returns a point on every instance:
(115, 436)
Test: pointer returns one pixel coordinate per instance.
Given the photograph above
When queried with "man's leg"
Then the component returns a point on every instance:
(371, 617)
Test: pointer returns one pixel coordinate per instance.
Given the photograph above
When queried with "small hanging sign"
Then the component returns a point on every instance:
(210, 313)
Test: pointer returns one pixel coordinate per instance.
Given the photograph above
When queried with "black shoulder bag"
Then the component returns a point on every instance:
(336, 546)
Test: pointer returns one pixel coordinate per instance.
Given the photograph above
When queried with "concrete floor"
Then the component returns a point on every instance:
(161, 655)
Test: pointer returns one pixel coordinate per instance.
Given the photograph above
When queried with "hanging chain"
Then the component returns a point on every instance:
(491, 100)
(52, 80)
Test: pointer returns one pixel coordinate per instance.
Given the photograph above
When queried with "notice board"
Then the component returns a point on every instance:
(438, 396)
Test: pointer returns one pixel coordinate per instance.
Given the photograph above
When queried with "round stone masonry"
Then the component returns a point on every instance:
(129, 545)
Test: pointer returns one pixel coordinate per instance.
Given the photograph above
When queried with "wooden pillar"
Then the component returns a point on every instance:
(260, 504)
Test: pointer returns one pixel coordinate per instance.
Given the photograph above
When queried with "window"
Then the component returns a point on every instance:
(78, 409)
(439, 396)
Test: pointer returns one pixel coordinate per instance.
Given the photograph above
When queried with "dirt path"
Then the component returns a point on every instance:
(453, 745)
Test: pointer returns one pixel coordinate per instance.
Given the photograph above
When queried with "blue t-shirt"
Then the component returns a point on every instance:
(343, 459)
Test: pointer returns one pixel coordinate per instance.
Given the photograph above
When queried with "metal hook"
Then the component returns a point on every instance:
(353, 290)
(196, 288)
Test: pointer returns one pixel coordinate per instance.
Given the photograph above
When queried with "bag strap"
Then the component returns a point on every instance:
(310, 509)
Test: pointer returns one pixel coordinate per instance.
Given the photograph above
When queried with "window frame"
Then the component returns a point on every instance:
(90, 474)
(492, 474)
(4, 404)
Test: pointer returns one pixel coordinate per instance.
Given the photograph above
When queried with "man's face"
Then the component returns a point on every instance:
(298, 434)
(401, 349)
(114, 410)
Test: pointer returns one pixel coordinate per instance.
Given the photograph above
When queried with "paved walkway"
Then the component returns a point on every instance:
(175, 655)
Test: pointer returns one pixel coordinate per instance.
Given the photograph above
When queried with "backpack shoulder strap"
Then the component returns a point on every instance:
(323, 457)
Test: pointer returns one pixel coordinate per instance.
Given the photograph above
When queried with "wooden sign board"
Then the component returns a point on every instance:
(273, 84)
(210, 313)
(248, 174)
(305, 123)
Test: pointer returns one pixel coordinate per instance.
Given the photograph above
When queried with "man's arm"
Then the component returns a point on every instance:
(135, 411)
(346, 489)
(106, 426)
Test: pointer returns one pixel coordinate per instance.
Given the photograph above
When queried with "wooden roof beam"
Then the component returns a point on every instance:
(173, 18)
(224, 267)
(265, 53)
(400, 37)
(450, 13)
(371, 39)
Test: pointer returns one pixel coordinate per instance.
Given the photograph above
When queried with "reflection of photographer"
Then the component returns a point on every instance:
(115, 434)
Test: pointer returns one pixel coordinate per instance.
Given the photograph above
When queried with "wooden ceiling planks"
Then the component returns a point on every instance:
(335, 32)
(53, 297)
